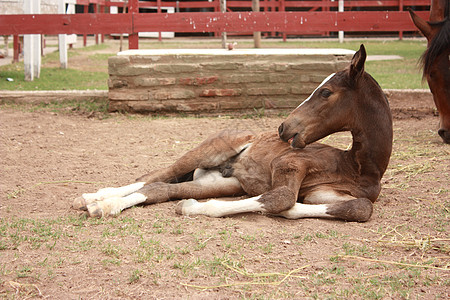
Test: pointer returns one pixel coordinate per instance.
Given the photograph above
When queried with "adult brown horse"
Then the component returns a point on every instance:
(285, 174)
(436, 60)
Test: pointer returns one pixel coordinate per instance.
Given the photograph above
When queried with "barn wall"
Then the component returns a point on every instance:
(152, 81)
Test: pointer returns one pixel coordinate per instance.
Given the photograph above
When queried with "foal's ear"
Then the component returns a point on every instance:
(357, 64)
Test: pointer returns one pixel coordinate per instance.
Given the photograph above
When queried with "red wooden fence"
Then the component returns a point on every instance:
(276, 16)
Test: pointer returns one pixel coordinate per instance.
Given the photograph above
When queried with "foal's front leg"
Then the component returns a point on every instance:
(287, 177)
(329, 203)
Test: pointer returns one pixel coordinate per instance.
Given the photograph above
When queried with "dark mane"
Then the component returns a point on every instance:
(438, 44)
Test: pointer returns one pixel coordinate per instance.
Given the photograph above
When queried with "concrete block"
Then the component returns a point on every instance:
(220, 92)
(151, 81)
(171, 94)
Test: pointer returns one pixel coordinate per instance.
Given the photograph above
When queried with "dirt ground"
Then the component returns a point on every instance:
(51, 251)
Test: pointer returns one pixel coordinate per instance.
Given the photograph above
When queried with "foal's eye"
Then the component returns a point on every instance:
(325, 93)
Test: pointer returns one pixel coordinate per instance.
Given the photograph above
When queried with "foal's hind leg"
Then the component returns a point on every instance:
(214, 151)
(211, 153)
(210, 184)
(81, 203)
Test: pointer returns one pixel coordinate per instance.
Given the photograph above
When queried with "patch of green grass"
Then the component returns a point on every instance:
(34, 233)
(390, 74)
(111, 261)
(80, 246)
(112, 250)
(267, 248)
(25, 271)
(397, 74)
(92, 48)
(356, 249)
(101, 57)
(187, 267)
(135, 276)
(52, 79)
(149, 250)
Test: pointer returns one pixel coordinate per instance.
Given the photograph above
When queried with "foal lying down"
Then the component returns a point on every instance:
(286, 173)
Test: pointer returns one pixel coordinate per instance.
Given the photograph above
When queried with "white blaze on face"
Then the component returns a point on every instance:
(320, 85)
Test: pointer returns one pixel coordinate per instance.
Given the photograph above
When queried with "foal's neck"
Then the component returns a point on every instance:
(372, 134)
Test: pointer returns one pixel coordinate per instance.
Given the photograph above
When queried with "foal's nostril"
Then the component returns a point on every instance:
(280, 130)
(445, 135)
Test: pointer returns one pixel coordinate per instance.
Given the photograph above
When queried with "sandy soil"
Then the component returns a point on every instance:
(49, 250)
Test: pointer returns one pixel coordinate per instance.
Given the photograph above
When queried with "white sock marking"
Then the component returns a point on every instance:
(324, 196)
(114, 205)
(106, 193)
(219, 208)
(300, 210)
(129, 201)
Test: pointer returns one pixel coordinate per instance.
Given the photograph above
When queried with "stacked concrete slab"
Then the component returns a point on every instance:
(215, 80)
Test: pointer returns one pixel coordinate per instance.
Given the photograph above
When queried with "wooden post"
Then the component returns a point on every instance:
(256, 34)
(216, 9)
(96, 35)
(5, 40)
(85, 11)
(16, 47)
(223, 8)
(341, 9)
(32, 44)
(124, 11)
(62, 39)
(158, 10)
(133, 38)
(283, 8)
(400, 8)
(103, 10)
(325, 8)
(28, 57)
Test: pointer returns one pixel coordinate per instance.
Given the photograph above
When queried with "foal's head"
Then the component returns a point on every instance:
(350, 100)
(436, 60)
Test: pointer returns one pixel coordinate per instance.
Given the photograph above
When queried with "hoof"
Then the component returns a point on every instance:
(184, 206)
(79, 204)
(95, 211)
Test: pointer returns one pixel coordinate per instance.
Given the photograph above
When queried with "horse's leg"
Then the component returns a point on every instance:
(211, 153)
(281, 200)
(81, 203)
(327, 203)
(355, 209)
(214, 151)
(209, 184)
(286, 181)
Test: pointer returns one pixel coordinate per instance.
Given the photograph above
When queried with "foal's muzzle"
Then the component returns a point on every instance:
(284, 135)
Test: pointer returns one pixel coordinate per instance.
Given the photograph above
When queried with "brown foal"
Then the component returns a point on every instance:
(286, 173)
